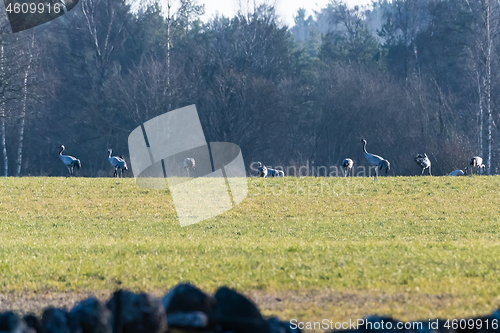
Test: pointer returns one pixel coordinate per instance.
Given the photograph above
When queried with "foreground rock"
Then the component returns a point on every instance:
(189, 307)
(136, 313)
(55, 321)
(185, 309)
(90, 316)
(10, 322)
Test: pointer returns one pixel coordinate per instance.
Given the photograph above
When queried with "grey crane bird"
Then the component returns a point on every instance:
(265, 172)
(477, 163)
(458, 172)
(424, 162)
(189, 163)
(70, 161)
(376, 160)
(117, 163)
(347, 164)
(384, 165)
(261, 170)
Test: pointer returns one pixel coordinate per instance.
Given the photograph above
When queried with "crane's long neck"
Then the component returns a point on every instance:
(110, 151)
(364, 147)
(62, 149)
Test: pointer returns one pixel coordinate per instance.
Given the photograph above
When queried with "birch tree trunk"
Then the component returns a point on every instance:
(2, 115)
(169, 32)
(488, 84)
(4, 146)
(22, 117)
(481, 121)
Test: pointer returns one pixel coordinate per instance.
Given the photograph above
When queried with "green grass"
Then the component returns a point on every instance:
(411, 247)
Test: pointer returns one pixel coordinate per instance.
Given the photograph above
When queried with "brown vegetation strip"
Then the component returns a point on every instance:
(304, 305)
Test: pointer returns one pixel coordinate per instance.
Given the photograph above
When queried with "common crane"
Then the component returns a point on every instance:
(117, 163)
(265, 172)
(347, 164)
(424, 162)
(69, 161)
(477, 162)
(376, 160)
(458, 172)
(189, 163)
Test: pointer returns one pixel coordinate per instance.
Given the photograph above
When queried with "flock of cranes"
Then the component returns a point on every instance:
(476, 164)
(380, 163)
(422, 160)
(118, 162)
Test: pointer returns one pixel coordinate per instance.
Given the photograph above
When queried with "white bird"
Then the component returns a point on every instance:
(477, 162)
(69, 161)
(376, 160)
(347, 164)
(458, 172)
(424, 162)
(189, 163)
(117, 163)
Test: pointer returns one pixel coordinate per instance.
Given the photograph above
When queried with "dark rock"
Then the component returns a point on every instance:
(278, 326)
(496, 315)
(10, 322)
(188, 307)
(187, 298)
(238, 313)
(55, 321)
(195, 319)
(90, 316)
(34, 323)
(137, 313)
(232, 304)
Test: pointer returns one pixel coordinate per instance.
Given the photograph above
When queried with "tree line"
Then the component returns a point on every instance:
(409, 76)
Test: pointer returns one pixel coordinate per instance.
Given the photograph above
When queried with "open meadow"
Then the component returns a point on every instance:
(301, 248)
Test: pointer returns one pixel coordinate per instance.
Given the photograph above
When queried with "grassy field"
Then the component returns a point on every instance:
(303, 248)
